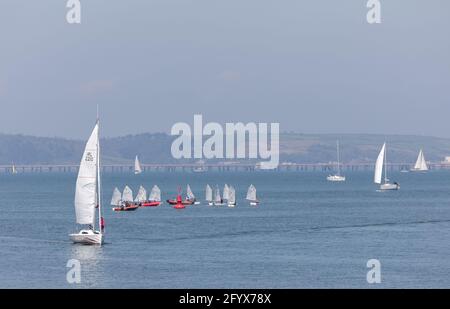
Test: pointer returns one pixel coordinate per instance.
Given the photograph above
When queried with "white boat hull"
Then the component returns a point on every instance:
(418, 170)
(231, 205)
(389, 186)
(336, 178)
(254, 203)
(87, 237)
(219, 204)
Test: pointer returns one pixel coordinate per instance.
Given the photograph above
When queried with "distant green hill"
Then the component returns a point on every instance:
(155, 148)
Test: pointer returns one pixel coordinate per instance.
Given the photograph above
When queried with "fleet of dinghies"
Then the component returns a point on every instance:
(124, 201)
(88, 204)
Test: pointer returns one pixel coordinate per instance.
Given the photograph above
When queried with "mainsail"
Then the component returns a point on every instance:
(226, 192)
(338, 159)
(421, 164)
(116, 197)
(231, 196)
(142, 195)
(208, 194)
(190, 195)
(127, 195)
(379, 165)
(155, 195)
(251, 193)
(217, 197)
(86, 197)
(137, 166)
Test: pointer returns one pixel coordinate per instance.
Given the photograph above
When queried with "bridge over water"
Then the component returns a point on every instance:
(222, 167)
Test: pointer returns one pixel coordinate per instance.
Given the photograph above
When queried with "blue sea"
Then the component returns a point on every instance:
(306, 233)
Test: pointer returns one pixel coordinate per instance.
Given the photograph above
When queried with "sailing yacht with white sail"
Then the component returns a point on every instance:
(88, 194)
(231, 197)
(337, 177)
(14, 169)
(251, 196)
(421, 163)
(379, 166)
(209, 195)
(137, 166)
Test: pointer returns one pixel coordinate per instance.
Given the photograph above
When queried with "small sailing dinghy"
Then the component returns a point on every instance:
(337, 177)
(88, 194)
(251, 196)
(116, 199)
(137, 166)
(154, 198)
(226, 192)
(231, 197)
(218, 201)
(421, 163)
(14, 169)
(379, 166)
(209, 195)
(190, 197)
(127, 201)
(141, 196)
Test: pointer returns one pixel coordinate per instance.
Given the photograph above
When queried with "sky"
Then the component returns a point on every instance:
(313, 66)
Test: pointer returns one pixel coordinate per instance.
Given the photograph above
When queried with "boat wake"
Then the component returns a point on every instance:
(306, 229)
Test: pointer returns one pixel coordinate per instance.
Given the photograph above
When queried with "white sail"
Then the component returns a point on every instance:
(231, 196)
(86, 188)
(208, 194)
(137, 166)
(116, 197)
(190, 195)
(127, 195)
(217, 198)
(226, 192)
(421, 164)
(251, 193)
(155, 195)
(142, 195)
(338, 160)
(379, 165)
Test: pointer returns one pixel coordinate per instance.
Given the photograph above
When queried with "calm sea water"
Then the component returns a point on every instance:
(306, 233)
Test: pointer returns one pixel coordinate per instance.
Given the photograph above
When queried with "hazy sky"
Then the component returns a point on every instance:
(314, 66)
